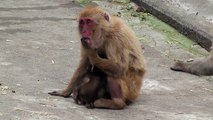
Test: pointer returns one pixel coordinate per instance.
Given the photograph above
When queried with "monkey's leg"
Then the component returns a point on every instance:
(81, 71)
(79, 85)
(117, 101)
(202, 67)
(68, 90)
(90, 88)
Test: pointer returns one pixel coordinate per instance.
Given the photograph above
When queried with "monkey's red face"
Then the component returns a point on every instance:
(87, 29)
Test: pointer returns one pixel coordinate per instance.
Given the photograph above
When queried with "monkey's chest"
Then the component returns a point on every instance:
(95, 69)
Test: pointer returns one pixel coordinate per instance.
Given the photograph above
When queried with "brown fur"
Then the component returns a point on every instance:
(123, 65)
(197, 67)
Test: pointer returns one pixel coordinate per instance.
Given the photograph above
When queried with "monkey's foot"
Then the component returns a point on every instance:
(115, 103)
(178, 66)
(90, 105)
(59, 93)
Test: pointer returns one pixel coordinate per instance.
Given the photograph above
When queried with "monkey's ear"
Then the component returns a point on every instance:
(107, 17)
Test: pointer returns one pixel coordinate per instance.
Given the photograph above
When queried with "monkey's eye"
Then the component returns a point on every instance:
(81, 22)
(89, 22)
(93, 30)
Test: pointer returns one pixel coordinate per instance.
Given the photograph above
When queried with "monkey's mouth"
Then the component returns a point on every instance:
(86, 39)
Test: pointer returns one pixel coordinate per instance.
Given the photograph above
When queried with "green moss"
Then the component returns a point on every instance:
(87, 2)
(84, 2)
(120, 1)
(172, 35)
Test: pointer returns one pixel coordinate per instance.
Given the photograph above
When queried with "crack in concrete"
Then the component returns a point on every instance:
(11, 23)
(14, 31)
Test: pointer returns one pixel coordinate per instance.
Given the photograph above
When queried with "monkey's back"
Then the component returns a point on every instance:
(129, 48)
(127, 41)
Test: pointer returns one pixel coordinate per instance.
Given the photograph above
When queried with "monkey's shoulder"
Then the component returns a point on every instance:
(117, 22)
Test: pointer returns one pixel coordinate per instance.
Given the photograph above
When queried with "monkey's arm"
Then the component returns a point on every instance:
(79, 73)
(114, 66)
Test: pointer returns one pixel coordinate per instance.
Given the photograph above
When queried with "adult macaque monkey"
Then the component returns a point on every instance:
(111, 46)
(197, 67)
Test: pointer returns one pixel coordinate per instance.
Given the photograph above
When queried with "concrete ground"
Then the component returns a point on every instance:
(39, 51)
